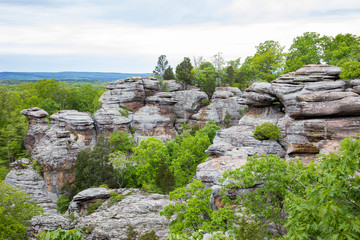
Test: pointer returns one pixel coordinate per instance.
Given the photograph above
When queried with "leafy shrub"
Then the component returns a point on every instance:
(115, 197)
(205, 102)
(63, 203)
(243, 111)
(350, 70)
(124, 113)
(149, 236)
(267, 131)
(37, 167)
(93, 207)
(227, 120)
(16, 210)
(60, 234)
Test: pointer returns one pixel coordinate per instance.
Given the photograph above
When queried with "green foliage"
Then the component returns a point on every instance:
(63, 203)
(115, 197)
(206, 78)
(266, 64)
(184, 72)
(243, 111)
(122, 142)
(205, 102)
(169, 73)
(92, 167)
(329, 208)
(350, 70)
(248, 229)
(93, 207)
(37, 167)
(341, 49)
(193, 212)
(60, 234)
(305, 49)
(227, 120)
(267, 131)
(149, 236)
(16, 210)
(123, 112)
(165, 179)
(161, 67)
(273, 178)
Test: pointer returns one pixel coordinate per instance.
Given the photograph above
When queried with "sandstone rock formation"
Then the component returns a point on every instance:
(110, 221)
(55, 145)
(24, 176)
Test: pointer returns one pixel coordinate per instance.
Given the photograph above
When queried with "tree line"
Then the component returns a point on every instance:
(269, 61)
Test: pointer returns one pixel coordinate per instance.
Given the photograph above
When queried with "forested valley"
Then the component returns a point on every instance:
(320, 200)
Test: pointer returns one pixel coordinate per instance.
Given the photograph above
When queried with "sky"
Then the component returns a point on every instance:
(129, 35)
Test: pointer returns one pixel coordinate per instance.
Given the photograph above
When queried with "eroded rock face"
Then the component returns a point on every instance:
(157, 118)
(24, 176)
(110, 221)
(68, 132)
(224, 108)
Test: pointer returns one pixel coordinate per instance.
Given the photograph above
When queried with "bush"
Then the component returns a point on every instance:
(60, 234)
(350, 70)
(93, 206)
(115, 197)
(267, 131)
(62, 204)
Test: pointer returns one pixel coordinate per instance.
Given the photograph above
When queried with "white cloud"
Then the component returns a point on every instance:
(77, 30)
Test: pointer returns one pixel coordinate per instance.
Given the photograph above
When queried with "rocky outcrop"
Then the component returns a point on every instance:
(56, 145)
(156, 118)
(225, 108)
(111, 220)
(24, 175)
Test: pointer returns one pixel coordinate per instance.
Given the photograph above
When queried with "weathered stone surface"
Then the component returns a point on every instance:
(241, 136)
(224, 108)
(173, 85)
(48, 223)
(69, 132)
(308, 80)
(259, 94)
(156, 118)
(327, 104)
(38, 125)
(313, 136)
(24, 176)
(188, 102)
(210, 171)
(138, 209)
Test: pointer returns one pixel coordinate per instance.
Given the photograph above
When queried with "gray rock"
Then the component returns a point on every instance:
(173, 85)
(30, 181)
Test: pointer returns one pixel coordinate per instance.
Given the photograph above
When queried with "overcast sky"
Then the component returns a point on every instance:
(129, 35)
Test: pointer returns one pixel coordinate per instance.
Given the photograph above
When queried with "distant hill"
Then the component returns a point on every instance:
(102, 76)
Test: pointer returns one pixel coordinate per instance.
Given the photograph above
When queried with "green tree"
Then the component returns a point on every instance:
(350, 70)
(165, 179)
(219, 64)
(305, 49)
(162, 65)
(266, 64)
(122, 141)
(148, 156)
(329, 208)
(341, 49)
(169, 73)
(16, 210)
(206, 78)
(93, 167)
(184, 72)
(193, 212)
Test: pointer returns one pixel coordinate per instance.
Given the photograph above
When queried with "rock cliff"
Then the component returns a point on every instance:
(313, 108)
